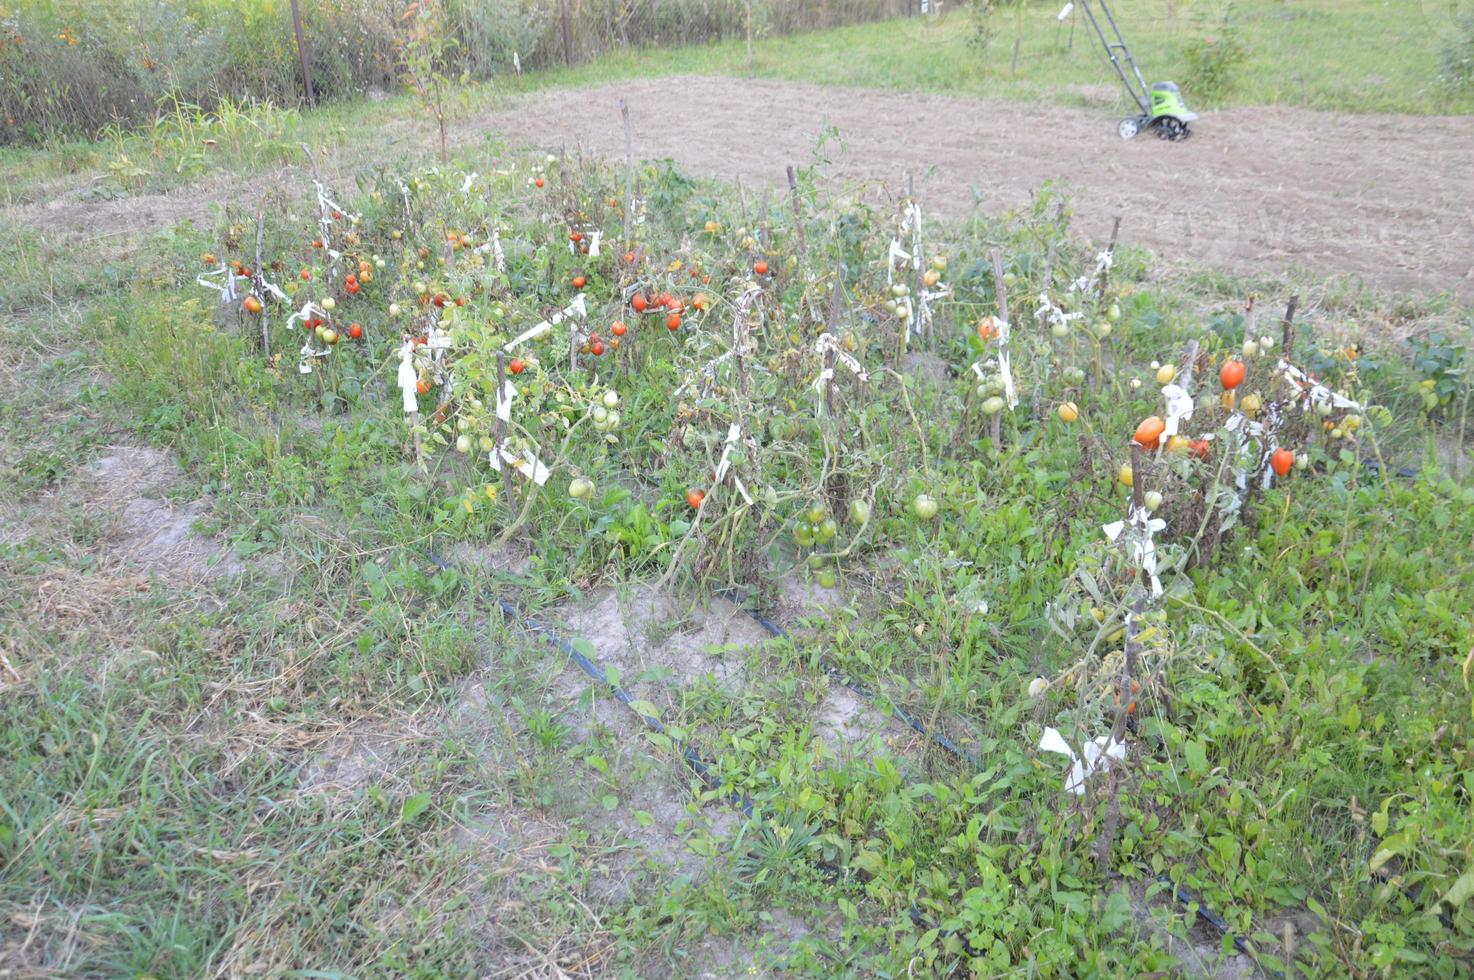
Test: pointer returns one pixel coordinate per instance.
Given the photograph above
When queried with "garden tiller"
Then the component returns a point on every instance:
(1161, 105)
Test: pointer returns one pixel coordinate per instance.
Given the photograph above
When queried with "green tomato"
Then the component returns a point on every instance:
(815, 514)
(826, 531)
(827, 579)
(859, 511)
(993, 405)
(924, 506)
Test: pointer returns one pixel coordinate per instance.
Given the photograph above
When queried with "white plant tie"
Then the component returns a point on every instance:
(1098, 754)
(1311, 392)
(407, 378)
(578, 308)
(1139, 528)
(1179, 408)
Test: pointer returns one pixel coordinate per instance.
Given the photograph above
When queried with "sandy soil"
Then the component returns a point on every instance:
(1255, 191)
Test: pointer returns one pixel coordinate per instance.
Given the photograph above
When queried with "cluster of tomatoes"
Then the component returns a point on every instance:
(672, 306)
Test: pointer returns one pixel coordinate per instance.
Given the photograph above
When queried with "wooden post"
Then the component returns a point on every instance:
(567, 35)
(629, 174)
(258, 278)
(798, 218)
(1105, 273)
(996, 423)
(509, 490)
(1017, 41)
(1287, 330)
(302, 52)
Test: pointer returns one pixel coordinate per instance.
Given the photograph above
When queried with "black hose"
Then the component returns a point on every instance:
(839, 677)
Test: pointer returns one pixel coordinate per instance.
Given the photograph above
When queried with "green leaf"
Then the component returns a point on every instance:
(583, 646)
(413, 806)
(610, 801)
(1197, 756)
(1460, 891)
(645, 708)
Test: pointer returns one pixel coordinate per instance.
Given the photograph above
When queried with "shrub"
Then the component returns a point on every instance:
(1456, 60)
(1212, 64)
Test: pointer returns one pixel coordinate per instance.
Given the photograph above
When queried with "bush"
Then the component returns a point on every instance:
(1456, 60)
(1212, 64)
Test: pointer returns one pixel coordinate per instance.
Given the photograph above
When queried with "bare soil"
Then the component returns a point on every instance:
(1376, 199)
(1256, 191)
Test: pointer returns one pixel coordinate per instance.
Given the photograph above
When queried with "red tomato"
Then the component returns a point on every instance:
(673, 322)
(355, 331)
(695, 498)
(760, 267)
(638, 303)
(618, 328)
(596, 348)
(1281, 460)
(517, 365)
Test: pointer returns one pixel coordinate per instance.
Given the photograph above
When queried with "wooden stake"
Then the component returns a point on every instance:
(798, 218)
(629, 174)
(996, 423)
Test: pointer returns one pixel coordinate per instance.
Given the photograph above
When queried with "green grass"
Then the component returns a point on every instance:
(1347, 55)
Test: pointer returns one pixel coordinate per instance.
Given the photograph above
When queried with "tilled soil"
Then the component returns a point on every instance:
(1264, 191)
(1380, 199)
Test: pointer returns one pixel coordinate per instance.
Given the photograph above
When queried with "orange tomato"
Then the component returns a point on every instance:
(695, 498)
(1231, 375)
(1281, 460)
(1149, 432)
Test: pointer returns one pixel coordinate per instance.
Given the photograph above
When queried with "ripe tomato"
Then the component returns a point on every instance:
(422, 386)
(1199, 448)
(355, 331)
(760, 267)
(252, 304)
(460, 301)
(629, 258)
(317, 243)
(539, 183)
(1231, 375)
(1149, 432)
(638, 303)
(1281, 460)
(618, 328)
(574, 236)
(517, 365)
(671, 303)
(304, 275)
(596, 348)
(694, 499)
(579, 282)
(673, 322)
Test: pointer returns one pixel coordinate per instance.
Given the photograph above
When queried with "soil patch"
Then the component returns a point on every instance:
(1256, 191)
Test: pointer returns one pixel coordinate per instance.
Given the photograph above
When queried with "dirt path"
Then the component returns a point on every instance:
(1255, 191)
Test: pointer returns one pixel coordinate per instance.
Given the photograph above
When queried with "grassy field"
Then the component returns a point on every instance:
(1348, 55)
(263, 711)
(271, 700)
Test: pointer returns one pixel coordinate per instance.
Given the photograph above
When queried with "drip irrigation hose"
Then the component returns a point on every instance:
(942, 740)
(689, 755)
(550, 636)
(1179, 892)
(697, 764)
